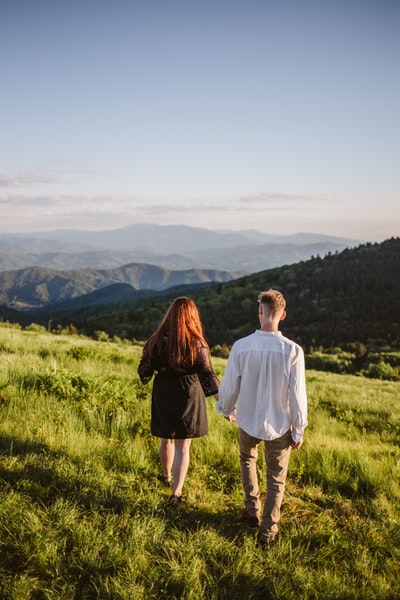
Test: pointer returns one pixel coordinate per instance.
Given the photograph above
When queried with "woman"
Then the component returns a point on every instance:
(178, 356)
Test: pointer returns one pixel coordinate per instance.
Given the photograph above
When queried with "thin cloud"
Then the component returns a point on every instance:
(273, 199)
(28, 178)
(16, 201)
(85, 204)
(180, 207)
(93, 212)
(58, 173)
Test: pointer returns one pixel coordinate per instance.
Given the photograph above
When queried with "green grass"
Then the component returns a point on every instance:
(82, 515)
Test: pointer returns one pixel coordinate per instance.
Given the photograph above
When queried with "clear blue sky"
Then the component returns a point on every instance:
(277, 115)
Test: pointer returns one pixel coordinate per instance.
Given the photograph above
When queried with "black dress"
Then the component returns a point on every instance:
(178, 407)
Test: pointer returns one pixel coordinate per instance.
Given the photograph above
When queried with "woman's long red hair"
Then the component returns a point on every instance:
(180, 333)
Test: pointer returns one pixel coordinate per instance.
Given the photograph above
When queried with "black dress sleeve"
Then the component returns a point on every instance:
(208, 379)
(145, 370)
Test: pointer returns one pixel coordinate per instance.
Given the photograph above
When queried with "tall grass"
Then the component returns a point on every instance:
(82, 515)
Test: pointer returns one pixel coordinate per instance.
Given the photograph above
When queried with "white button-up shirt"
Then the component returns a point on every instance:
(265, 380)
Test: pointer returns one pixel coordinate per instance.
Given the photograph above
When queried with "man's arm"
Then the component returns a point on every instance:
(298, 397)
(230, 386)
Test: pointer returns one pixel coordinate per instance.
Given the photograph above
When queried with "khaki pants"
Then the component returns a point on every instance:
(277, 454)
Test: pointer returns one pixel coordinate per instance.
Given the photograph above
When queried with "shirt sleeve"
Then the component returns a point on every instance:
(230, 384)
(208, 379)
(298, 395)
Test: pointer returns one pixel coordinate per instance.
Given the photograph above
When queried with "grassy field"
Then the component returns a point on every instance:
(82, 515)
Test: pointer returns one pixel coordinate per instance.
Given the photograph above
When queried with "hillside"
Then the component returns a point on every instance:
(352, 296)
(36, 287)
(83, 515)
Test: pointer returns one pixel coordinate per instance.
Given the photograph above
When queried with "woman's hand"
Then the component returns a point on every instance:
(296, 445)
(232, 417)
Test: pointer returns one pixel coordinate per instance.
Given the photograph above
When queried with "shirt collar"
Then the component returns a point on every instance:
(275, 333)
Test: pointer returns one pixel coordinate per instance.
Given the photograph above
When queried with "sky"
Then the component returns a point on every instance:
(281, 116)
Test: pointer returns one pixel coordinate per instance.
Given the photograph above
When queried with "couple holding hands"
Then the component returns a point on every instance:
(263, 390)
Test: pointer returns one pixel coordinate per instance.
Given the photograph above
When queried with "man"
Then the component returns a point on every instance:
(265, 380)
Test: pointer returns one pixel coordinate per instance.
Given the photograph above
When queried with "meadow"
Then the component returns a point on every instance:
(82, 515)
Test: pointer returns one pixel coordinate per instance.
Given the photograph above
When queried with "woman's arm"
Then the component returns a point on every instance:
(208, 379)
(145, 370)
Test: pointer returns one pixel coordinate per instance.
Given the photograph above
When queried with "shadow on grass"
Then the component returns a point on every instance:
(45, 476)
(37, 476)
(191, 519)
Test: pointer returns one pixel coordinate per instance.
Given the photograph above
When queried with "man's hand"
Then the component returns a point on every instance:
(232, 417)
(296, 445)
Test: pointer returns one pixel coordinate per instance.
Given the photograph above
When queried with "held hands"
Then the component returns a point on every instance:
(296, 445)
(232, 417)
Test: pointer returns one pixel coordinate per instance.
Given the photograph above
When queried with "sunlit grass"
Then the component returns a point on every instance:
(82, 514)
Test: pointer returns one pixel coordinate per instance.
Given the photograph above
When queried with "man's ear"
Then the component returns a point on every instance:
(283, 316)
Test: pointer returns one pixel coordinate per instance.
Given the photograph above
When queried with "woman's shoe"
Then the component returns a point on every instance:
(174, 500)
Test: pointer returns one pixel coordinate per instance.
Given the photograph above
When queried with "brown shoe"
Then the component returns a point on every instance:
(250, 520)
(267, 541)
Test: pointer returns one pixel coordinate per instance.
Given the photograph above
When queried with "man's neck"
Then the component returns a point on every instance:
(269, 326)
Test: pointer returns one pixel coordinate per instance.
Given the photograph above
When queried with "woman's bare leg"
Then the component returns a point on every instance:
(167, 454)
(181, 464)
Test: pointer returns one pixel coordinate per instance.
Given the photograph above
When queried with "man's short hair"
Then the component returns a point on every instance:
(273, 299)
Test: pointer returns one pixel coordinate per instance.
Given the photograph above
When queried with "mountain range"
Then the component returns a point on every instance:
(37, 287)
(173, 247)
(347, 299)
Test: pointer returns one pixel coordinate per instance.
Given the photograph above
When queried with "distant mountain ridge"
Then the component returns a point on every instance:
(174, 247)
(37, 287)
